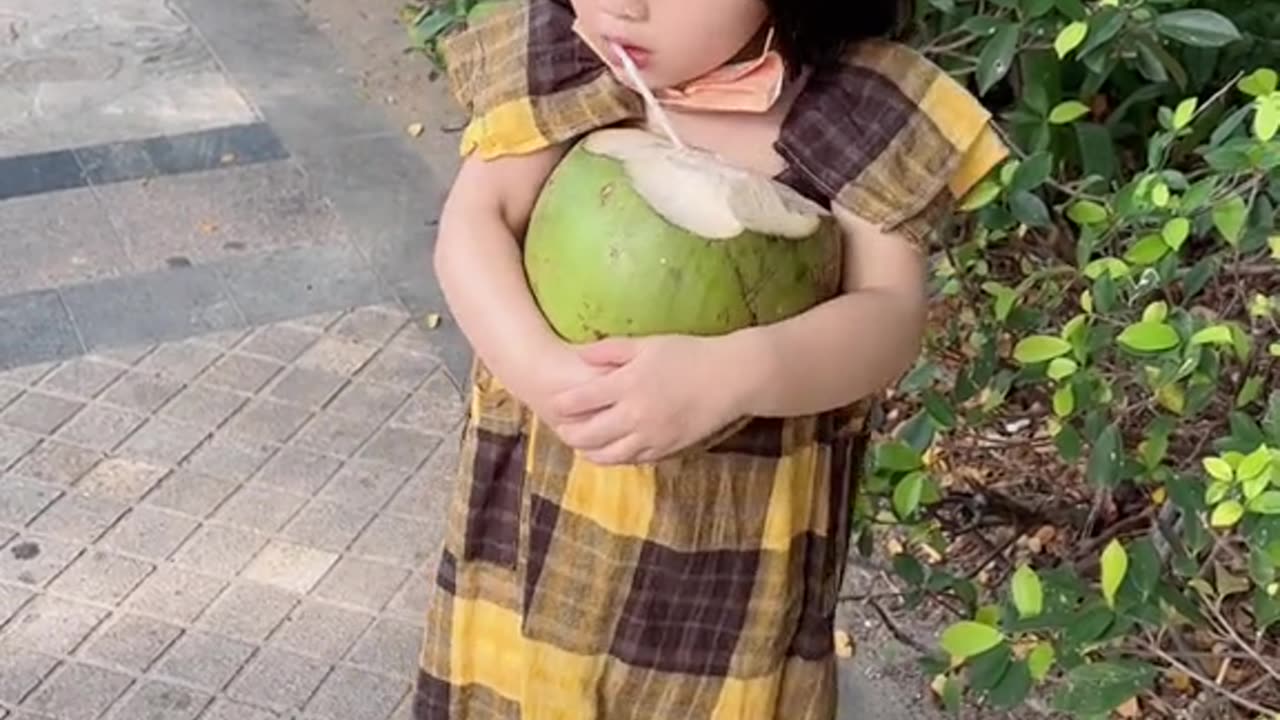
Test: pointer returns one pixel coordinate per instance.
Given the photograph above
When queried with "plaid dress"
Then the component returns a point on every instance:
(704, 586)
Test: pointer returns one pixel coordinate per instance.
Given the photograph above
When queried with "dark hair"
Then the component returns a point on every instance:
(816, 32)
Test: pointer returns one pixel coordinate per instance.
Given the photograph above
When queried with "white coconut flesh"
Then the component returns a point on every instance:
(695, 190)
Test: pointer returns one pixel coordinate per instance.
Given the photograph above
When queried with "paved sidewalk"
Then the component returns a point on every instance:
(239, 525)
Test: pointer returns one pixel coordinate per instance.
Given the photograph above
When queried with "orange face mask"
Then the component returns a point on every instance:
(748, 86)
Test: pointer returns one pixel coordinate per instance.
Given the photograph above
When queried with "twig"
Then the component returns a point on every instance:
(898, 632)
(995, 553)
(1212, 685)
(1226, 625)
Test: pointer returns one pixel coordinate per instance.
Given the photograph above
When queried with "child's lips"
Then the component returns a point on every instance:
(637, 54)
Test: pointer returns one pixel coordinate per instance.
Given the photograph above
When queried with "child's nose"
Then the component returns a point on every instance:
(633, 10)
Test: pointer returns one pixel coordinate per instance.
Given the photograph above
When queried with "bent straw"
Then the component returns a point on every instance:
(649, 98)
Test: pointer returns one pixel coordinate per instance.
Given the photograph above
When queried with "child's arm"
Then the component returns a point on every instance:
(479, 265)
(845, 349)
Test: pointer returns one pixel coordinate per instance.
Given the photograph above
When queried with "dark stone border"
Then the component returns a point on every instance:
(106, 163)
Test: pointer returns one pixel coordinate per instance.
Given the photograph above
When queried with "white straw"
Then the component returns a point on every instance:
(652, 101)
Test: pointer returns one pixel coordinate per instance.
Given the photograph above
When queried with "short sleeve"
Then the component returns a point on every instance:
(891, 137)
(527, 81)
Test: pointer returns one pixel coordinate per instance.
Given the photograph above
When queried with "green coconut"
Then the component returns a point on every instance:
(633, 236)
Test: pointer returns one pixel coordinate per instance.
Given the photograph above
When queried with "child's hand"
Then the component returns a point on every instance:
(549, 375)
(658, 396)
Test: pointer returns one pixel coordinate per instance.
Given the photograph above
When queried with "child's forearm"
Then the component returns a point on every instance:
(832, 355)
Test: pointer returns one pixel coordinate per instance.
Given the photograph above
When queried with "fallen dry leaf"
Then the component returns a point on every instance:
(228, 158)
(845, 645)
(1129, 709)
(1181, 682)
(432, 321)
(415, 129)
(208, 228)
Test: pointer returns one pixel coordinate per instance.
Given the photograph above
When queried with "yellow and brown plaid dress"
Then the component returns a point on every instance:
(702, 587)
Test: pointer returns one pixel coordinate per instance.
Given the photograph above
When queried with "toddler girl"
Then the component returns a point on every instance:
(613, 553)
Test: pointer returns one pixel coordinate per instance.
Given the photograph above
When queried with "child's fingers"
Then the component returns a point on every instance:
(597, 431)
(614, 351)
(590, 397)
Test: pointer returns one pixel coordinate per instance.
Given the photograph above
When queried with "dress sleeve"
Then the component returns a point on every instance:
(527, 81)
(891, 137)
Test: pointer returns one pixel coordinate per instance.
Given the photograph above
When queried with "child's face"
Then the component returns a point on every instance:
(673, 41)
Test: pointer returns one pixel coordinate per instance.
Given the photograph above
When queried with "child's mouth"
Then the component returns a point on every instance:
(637, 54)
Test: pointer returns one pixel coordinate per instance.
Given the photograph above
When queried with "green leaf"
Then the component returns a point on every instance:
(1064, 401)
(1198, 28)
(1185, 111)
(1032, 173)
(1215, 335)
(966, 639)
(1219, 469)
(982, 195)
(897, 456)
(1029, 209)
(985, 670)
(908, 568)
(1070, 37)
(1176, 232)
(1266, 609)
(1255, 463)
(1061, 368)
(1227, 514)
(1261, 82)
(1250, 391)
(1098, 688)
(1254, 486)
(1068, 112)
(996, 57)
(1266, 118)
(1217, 492)
(1149, 337)
(1040, 348)
(1104, 459)
(1156, 312)
(906, 496)
(1087, 212)
(1013, 688)
(1115, 565)
(1268, 503)
(1040, 661)
(1147, 251)
(1028, 592)
(1229, 218)
(939, 409)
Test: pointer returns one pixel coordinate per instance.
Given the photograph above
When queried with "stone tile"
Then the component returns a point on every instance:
(158, 700)
(35, 560)
(374, 325)
(390, 647)
(295, 568)
(225, 340)
(14, 443)
(163, 442)
(180, 361)
(320, 630)
(21, 501)
(278, 679)
(151, 307)
(401, 369)
(361, 583)
(78, 692)
(401, 447)
(336, 355)
(57, 463)
(364, 485)
(259, 508)
(78, 518)
(82, 377)
(297, 471)
(327, 525)
(153, 534)
(141, 391)
(281, 342)
(267, 421)
(204, 405)
(101, 577)
(120, 479)
(191, 492)
(130, 642)
(39, 413)
(368, 400)
(430, 490)
(219, 550)
(437, 408)
(410, 604)
(204, 660)
(307, 387)
(36, 327)
(174, 594)
(397, 540)
(336, 434)
(53, 626)
(7, 393)
(100, 427)
(11, 599)
(224, 709)
(221, 213)
(243, 373)
(128, 355)
(320, 320)
(280, 284)
(230, 458)
(21, 670)
(27, 374)
(248, 611)
(356, 695)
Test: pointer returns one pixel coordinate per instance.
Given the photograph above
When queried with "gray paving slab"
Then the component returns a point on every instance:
(35, 327)
(57, 239)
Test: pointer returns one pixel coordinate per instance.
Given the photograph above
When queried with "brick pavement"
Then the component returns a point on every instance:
(230, 527)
